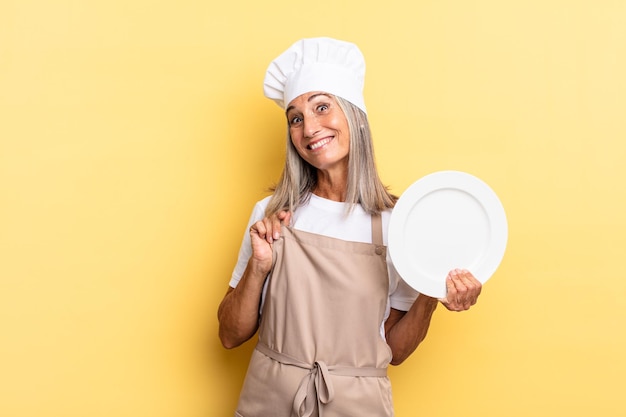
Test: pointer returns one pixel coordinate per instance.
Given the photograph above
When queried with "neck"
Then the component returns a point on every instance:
(331, 187)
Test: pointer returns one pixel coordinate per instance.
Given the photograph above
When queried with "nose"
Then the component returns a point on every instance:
(310, 125)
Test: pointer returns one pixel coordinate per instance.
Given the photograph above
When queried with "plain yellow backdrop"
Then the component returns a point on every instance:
(134, 140)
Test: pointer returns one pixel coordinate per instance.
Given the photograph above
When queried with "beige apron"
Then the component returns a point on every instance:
(320, 351)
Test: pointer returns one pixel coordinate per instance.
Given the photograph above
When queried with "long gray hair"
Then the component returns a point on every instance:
(364, 186)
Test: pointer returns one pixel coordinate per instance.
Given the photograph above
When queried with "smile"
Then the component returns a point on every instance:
(319, 144)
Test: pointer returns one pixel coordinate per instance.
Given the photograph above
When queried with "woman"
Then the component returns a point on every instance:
(313, 276)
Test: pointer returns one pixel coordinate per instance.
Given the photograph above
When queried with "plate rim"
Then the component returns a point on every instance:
(455, 180)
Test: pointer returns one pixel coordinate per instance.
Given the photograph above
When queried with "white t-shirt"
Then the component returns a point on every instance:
(328, 218)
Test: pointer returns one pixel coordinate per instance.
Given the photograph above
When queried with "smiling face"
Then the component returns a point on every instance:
(319, 131)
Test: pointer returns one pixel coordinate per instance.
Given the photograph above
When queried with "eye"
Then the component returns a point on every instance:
(294, 120)
(322, 107)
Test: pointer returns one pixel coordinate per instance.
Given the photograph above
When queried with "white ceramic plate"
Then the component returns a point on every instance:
(446, 220)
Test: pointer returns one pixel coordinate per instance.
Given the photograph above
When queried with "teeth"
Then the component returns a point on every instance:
(319, 144)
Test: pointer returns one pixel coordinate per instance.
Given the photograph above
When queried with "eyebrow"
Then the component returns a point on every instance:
(308, 100)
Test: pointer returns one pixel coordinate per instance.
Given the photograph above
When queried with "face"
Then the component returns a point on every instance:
(319, 130)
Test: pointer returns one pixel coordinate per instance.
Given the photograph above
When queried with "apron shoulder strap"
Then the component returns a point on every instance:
(377, 229)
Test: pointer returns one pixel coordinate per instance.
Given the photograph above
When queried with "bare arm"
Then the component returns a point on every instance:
(238, 313)
(406, 330)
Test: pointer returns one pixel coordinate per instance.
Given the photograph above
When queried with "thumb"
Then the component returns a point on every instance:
(449, 289)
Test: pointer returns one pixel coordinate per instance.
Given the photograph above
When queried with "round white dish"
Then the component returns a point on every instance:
(446, 220)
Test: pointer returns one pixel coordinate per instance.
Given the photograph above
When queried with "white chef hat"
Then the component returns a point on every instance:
(317, 64)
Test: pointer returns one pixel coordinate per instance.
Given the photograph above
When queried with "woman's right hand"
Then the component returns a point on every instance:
(262, 236)
(238, 313)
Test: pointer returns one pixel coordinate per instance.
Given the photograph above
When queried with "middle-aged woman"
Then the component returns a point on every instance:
(313, 274)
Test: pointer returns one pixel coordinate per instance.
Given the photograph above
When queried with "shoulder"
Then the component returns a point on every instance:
(264, 202)
(258, 211)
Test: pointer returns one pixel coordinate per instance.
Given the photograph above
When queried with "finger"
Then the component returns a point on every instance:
(270, 231)
(258, 229)
(468, 278)
(277, 220)
(450, 287)
(275, 226)
(285, 217)
(461, 299)
(474, 286)
(449, 301)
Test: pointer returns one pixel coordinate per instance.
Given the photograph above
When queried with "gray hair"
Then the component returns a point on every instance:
(364, 186)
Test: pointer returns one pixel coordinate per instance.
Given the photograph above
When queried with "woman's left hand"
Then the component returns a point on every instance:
(463, 290)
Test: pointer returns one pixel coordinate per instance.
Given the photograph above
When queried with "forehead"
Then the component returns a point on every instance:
(303, 99)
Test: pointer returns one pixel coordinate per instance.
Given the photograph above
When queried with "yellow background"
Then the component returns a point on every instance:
(134, 140)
